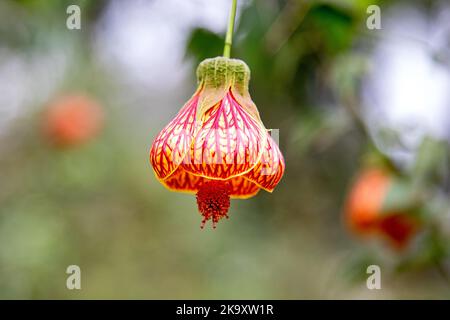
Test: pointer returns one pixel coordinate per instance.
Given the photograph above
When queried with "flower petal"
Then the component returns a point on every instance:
(229, 143)
(174, 141)
(270, 169)
(182, 180)
(242, 188)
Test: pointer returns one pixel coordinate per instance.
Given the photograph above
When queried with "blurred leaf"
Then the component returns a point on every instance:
(204, 44)
(402, 196)
(432, 161)
(356, 266)
(332, 27)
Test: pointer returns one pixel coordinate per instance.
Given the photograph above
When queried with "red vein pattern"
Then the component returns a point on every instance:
(228, 144)
(217, 146)
(173, 142)
(182, 180)
(268, 172)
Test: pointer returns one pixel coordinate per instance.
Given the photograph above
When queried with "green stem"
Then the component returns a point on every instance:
(229, 36)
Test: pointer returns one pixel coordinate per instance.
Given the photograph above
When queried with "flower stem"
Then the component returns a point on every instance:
(229, 36)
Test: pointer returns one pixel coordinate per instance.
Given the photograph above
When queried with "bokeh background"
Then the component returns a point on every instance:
(339, 93)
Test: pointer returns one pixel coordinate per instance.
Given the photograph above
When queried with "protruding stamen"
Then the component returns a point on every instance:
(213, 199)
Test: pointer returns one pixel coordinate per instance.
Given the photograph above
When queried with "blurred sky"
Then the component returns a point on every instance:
(409, 81)
(154, 34)
(141, 43)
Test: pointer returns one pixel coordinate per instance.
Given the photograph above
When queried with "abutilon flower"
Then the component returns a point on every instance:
(365, 213)
(217, 146)
(72, 119)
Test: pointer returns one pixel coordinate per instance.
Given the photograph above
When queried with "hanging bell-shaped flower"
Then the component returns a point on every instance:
(217, 146)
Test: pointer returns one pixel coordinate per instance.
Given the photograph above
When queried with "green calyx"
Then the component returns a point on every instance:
(217, 76)
(222, 72)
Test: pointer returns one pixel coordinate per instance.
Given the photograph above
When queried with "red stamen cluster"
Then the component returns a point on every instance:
(213, 199)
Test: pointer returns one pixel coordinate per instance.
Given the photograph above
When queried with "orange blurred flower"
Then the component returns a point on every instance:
(365, 214)
(72, 119)
(217, 145)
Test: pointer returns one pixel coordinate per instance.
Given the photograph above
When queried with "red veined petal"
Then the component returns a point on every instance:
(242, 188)
(268, 172)
(229, 143)
(182, 180)
(174, 141)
